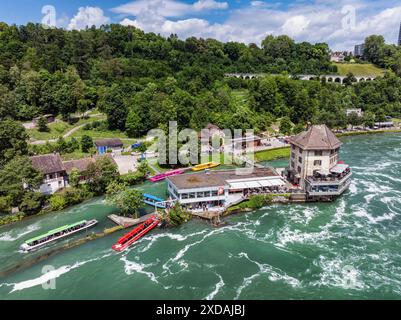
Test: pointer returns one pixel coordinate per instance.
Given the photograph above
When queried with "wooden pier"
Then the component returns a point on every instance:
(126, 222)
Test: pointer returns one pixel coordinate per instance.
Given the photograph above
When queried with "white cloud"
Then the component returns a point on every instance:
(258, 3)
(320, 21)
(87, 17)
(168, 8)
(295, 26)
(209, 4)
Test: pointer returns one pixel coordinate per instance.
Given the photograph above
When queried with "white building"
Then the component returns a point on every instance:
(357, 111)
(337, 57)
(216, 190)
(54, 174)
(315, 165)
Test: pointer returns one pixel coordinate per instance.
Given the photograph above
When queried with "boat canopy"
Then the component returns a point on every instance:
(257, 184)
(51, 232)
(151, 197)
(339, 168)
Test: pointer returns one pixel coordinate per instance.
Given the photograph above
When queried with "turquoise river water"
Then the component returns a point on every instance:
(348, 249)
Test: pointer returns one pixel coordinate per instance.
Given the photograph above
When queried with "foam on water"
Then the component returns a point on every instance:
(53, 274)
(219, 285)
(13, 235)
(132, 267)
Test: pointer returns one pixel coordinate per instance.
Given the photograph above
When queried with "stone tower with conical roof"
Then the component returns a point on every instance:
(315, 165)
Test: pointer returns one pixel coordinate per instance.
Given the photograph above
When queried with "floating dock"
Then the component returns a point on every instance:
(126, 222)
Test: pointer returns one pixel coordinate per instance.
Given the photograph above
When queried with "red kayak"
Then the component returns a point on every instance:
(136, 234)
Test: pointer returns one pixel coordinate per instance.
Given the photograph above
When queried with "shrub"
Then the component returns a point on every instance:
(4, 204)
(177, 215)
(32, 202)
(256, 202)
(42, 125)
(86, 143)
(10, 218)
(57, 202)
(68, 197)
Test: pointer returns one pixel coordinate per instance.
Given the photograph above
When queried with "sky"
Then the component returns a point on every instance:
(340, 23)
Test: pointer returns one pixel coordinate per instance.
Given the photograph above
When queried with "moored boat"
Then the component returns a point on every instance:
(162, 176)
(204, 166)
(56, 234)
(136, 233)
(153, 201)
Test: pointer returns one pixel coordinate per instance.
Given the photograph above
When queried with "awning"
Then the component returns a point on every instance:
(339, 168)
(265, 183)
(252, 184)
(277, 182)
(238, 185)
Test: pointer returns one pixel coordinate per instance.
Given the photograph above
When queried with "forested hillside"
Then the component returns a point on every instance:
(142, 80)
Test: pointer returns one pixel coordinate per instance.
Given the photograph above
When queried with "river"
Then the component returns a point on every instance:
(348, 249)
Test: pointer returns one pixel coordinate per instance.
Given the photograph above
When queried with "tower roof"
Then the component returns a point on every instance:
(317, 137)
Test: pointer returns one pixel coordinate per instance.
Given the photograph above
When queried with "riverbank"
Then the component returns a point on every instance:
(296, 251)
(357, 133)
(30, 262)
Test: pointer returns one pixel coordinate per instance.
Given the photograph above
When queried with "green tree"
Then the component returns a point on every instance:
(285, 126)
(32, 202)
(86, 143)
(368, 119)
(129, 201)
(13, 140)
(298, 128)
(373, 48)
(7, 103)
(5, 204)
(143, 168)
(177, 215)
(350, 79)
(100, 174)
(18, 177)
(74, 178)
(57, 202)
(42, 125)
(353, 119)
(133, 125)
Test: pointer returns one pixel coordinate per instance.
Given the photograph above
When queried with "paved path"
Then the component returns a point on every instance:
(55, 140)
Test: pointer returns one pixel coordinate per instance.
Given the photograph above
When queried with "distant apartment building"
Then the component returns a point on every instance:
(358, 112)
(359, 50)
(315, 165)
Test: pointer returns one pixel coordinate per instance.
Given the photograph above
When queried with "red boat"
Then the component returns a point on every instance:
(163, 176)
(136, 233)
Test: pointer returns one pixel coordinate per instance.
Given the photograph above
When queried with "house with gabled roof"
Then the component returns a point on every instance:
(113, 144)
(54, 174)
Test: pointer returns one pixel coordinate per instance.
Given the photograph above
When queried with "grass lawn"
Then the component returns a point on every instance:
(272, 154)
(359, 69)
(78, 154)
(95, 134)
(58, 129)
